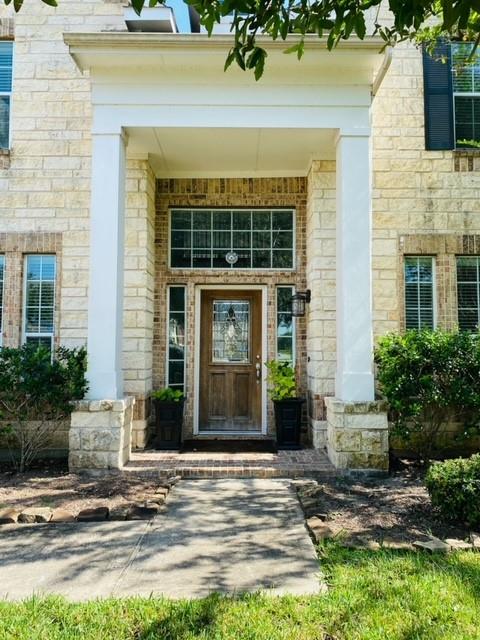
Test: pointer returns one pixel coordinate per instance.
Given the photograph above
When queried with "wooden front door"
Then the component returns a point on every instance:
(231, 361)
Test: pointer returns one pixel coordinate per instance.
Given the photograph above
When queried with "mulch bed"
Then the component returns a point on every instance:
(72, 492)
(393, 508)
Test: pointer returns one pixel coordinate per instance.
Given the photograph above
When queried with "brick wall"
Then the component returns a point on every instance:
(232, 192)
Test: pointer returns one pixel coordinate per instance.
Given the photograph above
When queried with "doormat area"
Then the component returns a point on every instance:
(229, 446)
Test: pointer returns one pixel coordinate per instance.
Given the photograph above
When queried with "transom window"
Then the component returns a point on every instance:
(232, 239)
(466, 93)
(419, 292)
(468, 292)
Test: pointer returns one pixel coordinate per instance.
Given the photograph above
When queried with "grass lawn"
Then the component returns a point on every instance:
(384, 595)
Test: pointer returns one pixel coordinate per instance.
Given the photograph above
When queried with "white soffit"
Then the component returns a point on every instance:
(187, 152)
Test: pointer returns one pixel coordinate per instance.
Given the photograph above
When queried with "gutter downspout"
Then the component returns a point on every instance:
(384, 67)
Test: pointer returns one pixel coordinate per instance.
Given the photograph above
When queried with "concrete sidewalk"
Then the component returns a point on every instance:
(218, 535)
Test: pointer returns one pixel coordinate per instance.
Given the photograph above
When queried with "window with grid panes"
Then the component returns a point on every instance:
(466, 93)
(6, 63)
(232, 239)
(419, 292)
(285, 325)
(176, 338)
(39, 302)
(468, 292)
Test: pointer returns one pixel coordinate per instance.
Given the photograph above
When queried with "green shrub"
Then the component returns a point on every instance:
(36, 394)
(454, 488)
(281, 377)
(168, 395)
(430, 378)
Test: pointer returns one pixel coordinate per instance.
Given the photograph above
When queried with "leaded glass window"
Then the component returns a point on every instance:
(231, 331)
(285, 325)
(39, 308)
(2, 280)
(419, 292)
(232, 239)
(176, 338)
(468, 292)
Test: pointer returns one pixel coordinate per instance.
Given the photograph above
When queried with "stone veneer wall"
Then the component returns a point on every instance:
(231, 192)
(45, 184)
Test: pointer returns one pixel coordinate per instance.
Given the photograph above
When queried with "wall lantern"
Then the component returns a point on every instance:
(299, 300)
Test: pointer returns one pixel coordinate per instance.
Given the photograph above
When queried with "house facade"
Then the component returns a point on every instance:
(164, 212)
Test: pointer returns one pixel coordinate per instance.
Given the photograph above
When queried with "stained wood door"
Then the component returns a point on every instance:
(230, 361)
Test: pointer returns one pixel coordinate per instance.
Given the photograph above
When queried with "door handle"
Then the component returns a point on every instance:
(258, 368)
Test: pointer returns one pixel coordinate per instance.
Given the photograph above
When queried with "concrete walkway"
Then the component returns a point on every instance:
(217, 535)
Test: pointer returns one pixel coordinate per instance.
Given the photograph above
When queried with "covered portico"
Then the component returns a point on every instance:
(165, 99)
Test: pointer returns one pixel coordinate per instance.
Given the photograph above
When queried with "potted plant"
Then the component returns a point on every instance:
(287, 406)
(168, 405)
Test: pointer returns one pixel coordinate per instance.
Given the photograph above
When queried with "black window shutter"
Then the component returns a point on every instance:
(437, 85)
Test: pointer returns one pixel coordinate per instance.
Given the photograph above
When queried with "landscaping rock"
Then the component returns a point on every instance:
(61, 515)
(172, 480)
(93, 515)
(433, 545)
(475, 540)
(396, 545)
(119, 513)
(162, 491)
(35, 514)
(362, 544)
(319, 530)
(8, 516)
(144, 511)
(459, 545)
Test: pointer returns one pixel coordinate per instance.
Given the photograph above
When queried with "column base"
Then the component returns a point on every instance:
(100, 434)
(319, 433)
(357, 435)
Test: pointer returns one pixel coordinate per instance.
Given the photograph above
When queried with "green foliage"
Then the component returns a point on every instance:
(281, 377)
(454, 488)
(168, 395)
(372, 595)
(36, 394)
(335, 20)
(430, 378)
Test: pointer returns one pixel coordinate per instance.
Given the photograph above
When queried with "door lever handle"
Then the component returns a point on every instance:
(258, 368)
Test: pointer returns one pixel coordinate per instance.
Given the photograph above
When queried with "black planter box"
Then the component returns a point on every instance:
(288, 421)
(168, 424)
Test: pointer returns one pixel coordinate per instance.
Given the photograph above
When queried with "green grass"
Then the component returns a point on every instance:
(384, 595)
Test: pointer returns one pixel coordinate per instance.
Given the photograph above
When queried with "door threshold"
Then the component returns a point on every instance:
(226, 435)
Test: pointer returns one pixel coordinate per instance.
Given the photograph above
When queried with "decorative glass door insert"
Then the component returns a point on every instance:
(231, 331)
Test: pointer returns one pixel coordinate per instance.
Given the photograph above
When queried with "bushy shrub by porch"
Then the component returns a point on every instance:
(430, 379)
(454, 488)
(36, 395)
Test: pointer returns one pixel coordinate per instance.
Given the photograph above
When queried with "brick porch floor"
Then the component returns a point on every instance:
(284, 464)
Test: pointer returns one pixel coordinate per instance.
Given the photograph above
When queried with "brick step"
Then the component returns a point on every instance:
(234, 471)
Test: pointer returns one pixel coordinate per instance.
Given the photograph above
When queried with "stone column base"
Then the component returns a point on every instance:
(100, 434)
(319, 433)
(357, 435)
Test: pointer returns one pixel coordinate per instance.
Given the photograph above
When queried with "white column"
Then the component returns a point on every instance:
(105, 296)
(354, 378)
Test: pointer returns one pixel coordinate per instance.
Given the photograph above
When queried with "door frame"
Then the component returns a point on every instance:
(196, 368)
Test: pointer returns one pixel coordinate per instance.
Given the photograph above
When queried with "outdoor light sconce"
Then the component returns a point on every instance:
(299, 300)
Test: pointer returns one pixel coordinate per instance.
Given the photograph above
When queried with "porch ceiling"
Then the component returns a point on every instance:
(204, 152)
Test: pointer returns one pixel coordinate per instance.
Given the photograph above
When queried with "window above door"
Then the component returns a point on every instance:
(232, 239)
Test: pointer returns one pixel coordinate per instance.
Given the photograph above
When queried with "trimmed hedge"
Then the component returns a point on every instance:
(454, 488)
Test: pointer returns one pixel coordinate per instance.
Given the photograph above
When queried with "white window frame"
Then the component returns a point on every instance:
(167, 351)
(9, 94)
(2, 305)
(229, 268)
(460, 94)
(29, 334)
(434, 287)
(294, 325)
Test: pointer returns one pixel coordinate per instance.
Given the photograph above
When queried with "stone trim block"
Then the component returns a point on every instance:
(357, 435)
(101, 434)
